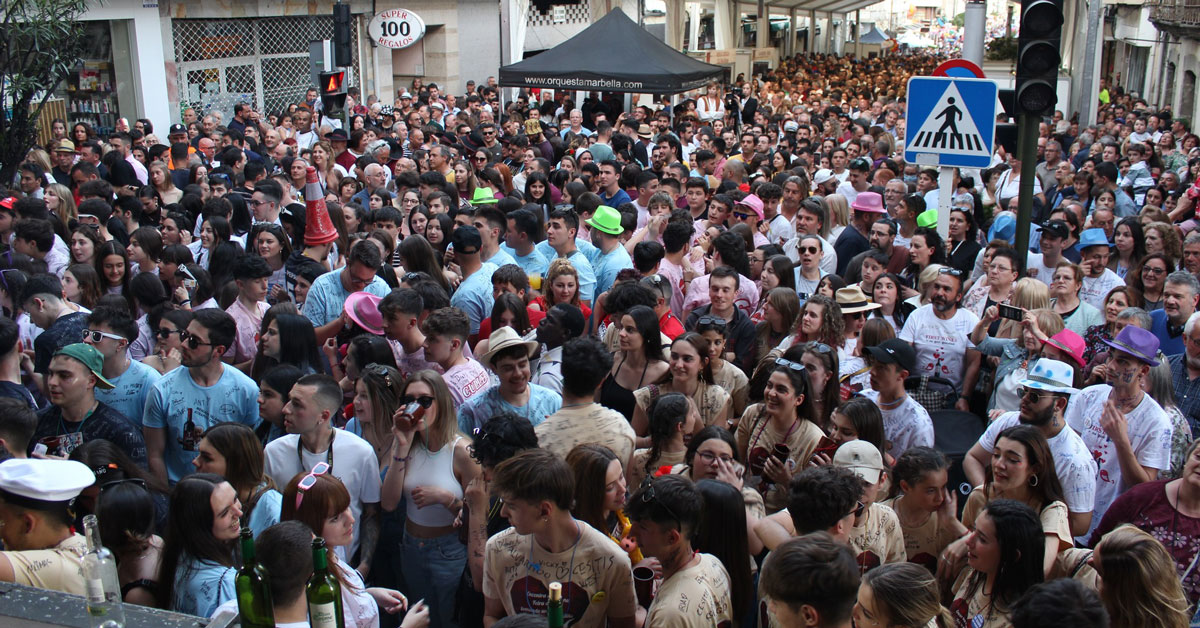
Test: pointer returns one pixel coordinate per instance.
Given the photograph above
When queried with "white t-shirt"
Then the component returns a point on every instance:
(1096, 288)
(1073, 462)
(1149, 434)
(828, 264)
(1037, 269)
(941, 344)
(781, 230)
(354, 463)
(906, 426)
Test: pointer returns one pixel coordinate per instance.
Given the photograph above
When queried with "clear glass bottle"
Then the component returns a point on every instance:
(105, 605)
(324, 592)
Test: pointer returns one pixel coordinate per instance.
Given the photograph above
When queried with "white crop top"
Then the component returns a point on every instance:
(434, 469)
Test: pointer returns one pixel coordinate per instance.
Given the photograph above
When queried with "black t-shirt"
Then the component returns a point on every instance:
(18, 391)
(61, 437)
(66, 330)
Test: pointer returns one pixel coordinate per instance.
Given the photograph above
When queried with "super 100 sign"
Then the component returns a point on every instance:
(396, 28)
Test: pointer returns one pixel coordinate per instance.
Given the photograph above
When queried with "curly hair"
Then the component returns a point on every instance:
(559, 267)
(833, 326)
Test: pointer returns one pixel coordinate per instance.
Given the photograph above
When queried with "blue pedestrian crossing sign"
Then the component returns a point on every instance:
(951, 121)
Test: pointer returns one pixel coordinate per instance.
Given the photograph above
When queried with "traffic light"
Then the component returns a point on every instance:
(1038, 56)
(343, 55)
(333, 92)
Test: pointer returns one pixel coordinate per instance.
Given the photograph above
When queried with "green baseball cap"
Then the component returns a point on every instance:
(606, 220)
(91, 358)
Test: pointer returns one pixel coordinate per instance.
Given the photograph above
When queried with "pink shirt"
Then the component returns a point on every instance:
(245, 344)
(697, 294)
(466, 380)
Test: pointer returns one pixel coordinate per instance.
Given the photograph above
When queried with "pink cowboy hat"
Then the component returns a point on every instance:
(363, 309)
(869, 202)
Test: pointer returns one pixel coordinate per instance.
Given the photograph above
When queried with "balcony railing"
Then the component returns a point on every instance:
(1184, 13)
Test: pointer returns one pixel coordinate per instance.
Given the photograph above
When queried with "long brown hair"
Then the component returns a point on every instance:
(589, 464)
(1048, 488)
(244, 460)
(439, 430)
(383, 389)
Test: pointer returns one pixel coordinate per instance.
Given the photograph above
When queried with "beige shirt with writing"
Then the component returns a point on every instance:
(589, 423)
(696, 597)
(59, 568)
(595, 573)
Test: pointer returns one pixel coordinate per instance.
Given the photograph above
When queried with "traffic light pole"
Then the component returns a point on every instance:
(1027, 152)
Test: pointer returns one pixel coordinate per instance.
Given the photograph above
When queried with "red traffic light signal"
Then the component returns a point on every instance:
(333, 82)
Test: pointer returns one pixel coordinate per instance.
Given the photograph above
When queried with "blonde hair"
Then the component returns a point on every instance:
(1029, 294)
(66, 211)
(838, 210)
(1049, 321)
(439, 432)
(559, 267)
(928, 275)
(910, 594)
(1172, 247)
(1141, 586)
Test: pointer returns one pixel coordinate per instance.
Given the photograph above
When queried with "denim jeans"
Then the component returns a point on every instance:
(432, 569)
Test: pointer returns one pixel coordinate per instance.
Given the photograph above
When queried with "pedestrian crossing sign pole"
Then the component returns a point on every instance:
(951, 123)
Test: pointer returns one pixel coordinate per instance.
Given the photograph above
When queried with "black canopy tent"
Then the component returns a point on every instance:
(612, 55)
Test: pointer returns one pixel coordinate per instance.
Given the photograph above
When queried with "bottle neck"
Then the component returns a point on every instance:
(320, 562)
(91, 531)
(248, 549)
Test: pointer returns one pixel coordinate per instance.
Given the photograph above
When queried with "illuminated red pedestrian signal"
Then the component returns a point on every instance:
(333, 92)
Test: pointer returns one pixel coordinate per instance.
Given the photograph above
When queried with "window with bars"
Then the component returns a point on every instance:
(263, 61)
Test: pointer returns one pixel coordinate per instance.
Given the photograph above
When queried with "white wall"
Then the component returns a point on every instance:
(145, 44)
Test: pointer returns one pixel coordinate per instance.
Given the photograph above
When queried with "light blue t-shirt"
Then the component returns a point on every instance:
(201, 586)
(533, 264)
(501, 258)
(583, 268)
(474, 295)
(589, 250)
(266, 512)
(233, 398)
(607, 265)
(478, 409)
(327, 298)
(130, 390)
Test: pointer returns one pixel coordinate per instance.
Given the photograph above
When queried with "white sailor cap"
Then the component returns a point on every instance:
(44, 480)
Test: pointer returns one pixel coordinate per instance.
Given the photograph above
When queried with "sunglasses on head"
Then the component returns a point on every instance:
(788, 364)
(649, 497)
(950, 271)
(191, 340)
(107, 485)
(424, 400)
(309, 481)
(715, 322)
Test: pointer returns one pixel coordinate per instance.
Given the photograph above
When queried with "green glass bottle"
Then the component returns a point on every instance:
(324, 592)
(253, 588)
(554, 606)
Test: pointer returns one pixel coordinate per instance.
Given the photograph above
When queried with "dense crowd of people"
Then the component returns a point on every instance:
(709, 364)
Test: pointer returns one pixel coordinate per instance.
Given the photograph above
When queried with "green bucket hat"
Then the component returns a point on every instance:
(927, 218)
(606, 220)
(91, 358)
(483, 196)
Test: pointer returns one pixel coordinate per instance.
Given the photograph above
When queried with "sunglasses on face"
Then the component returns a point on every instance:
(166, 333)
(741, 215)
(1034, 395)
(811, 250)
(97, 335)
(424, 400)
(191, 340)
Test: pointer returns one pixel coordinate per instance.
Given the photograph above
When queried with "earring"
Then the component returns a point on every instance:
(1033, 480)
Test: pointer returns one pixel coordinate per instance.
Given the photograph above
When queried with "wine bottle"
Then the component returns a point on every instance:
(253, 588)
(324, 592)
(554, 606)
(104, 603)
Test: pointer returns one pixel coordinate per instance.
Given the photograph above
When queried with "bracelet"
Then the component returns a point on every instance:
(404, 459)
(185, 301)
